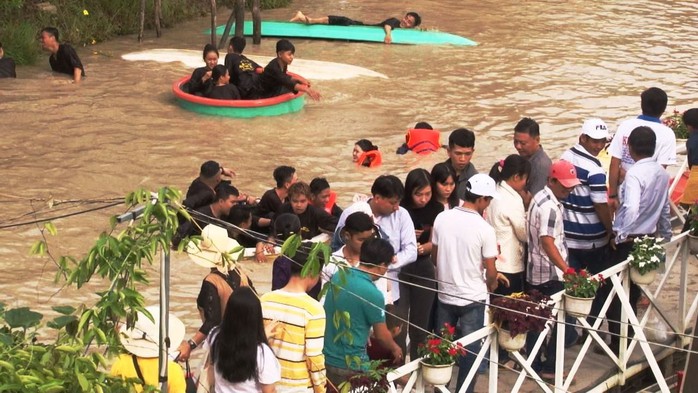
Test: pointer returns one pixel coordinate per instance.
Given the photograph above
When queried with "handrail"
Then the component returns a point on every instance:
(619, 280)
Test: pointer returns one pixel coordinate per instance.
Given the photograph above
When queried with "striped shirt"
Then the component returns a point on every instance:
(583, 228)
(298, 345)
(544, 219)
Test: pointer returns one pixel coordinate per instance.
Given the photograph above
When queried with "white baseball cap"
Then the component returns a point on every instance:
(482, 185)
(595, 128)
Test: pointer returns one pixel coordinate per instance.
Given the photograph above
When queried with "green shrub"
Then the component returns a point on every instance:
(19, 41)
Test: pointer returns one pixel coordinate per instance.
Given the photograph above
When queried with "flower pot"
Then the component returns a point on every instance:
(693, 244)
(509, 343)
(436, 374)
(642, 279)
(578, 306)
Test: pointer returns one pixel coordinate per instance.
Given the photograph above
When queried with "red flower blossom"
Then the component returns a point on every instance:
(451, 329)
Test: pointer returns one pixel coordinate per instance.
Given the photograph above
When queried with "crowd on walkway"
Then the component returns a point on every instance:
(433, 249)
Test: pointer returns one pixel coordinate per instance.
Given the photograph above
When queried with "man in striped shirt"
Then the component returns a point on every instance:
(587, 219)
(300, 337)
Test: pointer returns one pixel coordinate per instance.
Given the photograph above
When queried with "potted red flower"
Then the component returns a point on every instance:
(439, 353)
(580, 291)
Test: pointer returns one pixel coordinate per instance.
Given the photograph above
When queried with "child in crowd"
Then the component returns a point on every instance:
(394, 321)
(358, 228)
(7, 65)
(285, 225)
(244, 73)
(324, 197)
(275, 80)
(201, 82)
(313, 220)
(365, 153)
(443, 185)
(222, 88)
(273, 199)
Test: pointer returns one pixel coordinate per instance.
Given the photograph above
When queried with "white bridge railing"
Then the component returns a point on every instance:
(631, 329)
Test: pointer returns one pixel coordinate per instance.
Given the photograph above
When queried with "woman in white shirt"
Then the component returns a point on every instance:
(242, 360)
(508, 217)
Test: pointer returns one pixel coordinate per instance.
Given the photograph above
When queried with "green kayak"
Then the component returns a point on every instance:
(354, 33)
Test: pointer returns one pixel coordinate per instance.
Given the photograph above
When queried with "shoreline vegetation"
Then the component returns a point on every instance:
(83, 23)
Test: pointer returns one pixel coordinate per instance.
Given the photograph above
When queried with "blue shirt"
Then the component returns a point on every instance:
(351, 293)
(644, 208)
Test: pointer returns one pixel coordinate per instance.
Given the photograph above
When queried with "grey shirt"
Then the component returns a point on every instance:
(540, 169)
(463, 178)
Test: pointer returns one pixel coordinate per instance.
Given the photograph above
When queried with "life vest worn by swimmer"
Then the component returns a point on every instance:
(372, 157)
(423, 141)
(330, 204)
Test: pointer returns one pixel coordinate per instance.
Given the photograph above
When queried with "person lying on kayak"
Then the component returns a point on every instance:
(222, 88)
(275, 81)
(409, 21)
(244, 73)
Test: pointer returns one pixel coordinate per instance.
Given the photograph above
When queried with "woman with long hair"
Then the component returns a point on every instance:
(240, 354)
(365, 153)
(417, 279)
(508, 217)
(443, 185)
(201, 79)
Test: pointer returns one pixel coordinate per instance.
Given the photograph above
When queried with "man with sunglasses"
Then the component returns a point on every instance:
(547, 251)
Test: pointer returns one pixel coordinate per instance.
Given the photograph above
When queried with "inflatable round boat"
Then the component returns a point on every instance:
(274, 106)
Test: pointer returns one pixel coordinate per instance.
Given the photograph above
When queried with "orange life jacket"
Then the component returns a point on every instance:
(423, 141)
(331, 202)
(373, 157)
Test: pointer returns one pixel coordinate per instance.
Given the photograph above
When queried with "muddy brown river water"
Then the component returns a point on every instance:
(558, 62)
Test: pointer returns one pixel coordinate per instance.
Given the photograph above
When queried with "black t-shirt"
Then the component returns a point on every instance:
(312, 219)
(7, 68)
(65, 60)
(196, 86)
(269, 204)
(275, 81)
(243, 74)
(423, 218)
(392, 22)
(224, 92)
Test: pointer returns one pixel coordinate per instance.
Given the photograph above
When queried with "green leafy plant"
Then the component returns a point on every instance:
(675, 122)
(646, 255)
(372, 380)
(521, 312)
(580, 283)
(439, 350)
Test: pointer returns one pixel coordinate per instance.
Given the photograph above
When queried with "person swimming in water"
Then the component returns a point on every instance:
(365, 153)
(409, 21)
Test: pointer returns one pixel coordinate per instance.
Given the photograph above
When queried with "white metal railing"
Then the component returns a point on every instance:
(677, 251)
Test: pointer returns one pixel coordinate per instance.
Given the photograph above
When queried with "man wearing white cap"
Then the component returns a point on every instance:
(547, 252)
(463, 245)
(587, 219)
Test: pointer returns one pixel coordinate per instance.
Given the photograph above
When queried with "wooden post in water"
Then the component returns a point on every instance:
(239, 18)
(158, 17)
(140, 30)
(256, 23)
(226, 31)
(213, 22)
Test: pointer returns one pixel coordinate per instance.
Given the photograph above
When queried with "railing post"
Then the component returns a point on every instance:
(683, 286)
(623, 339)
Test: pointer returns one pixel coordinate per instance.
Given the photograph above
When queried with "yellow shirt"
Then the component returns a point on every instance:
(124, 368)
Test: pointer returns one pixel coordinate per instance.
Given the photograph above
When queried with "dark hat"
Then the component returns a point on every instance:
(209, 169)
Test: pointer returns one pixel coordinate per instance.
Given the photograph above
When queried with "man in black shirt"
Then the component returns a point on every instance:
(7, 65)
(63, 57)
(243, 71)
(409, 21)
(275, 81)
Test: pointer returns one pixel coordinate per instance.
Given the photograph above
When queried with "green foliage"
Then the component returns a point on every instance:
(580, 283)
(263, 4)
(18, 38)
(675, 122)
(74, 361)
(373, 380)
(646, 255)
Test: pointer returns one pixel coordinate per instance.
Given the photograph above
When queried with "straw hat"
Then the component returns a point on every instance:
(142, 339)
(208, 252)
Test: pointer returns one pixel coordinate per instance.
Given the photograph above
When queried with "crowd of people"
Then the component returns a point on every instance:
(437, 246)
